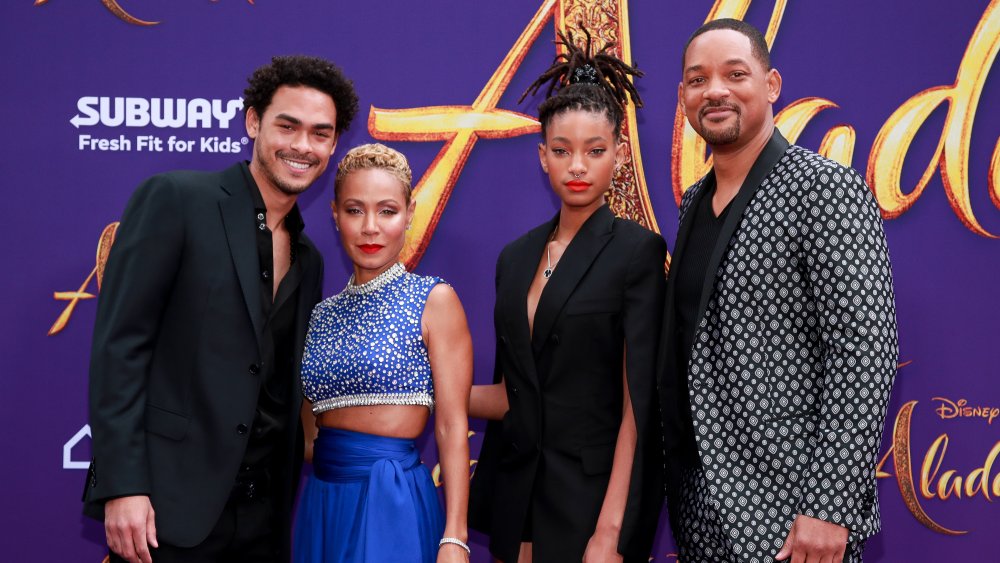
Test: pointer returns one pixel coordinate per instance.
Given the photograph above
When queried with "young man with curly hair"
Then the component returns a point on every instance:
(194, 388)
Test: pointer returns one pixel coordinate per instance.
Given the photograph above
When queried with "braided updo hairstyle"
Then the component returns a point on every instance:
(374, 156)
(583, 81)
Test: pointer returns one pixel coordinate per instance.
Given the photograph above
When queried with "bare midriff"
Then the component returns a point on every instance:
(396, 421)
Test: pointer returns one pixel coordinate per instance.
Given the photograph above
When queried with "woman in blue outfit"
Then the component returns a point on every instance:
(570, 469)
(379, 357)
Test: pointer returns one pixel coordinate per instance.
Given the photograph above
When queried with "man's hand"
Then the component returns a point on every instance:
(812, 539)
(129, 526)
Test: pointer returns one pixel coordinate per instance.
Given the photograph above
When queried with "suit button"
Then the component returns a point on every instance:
(242, 429)
(554, 338)
(696, 385)
(254, 369)
(513, 446)
(502, 340)
(513, 390)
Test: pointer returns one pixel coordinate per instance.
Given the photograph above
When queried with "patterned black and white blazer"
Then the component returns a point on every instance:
(794, 354)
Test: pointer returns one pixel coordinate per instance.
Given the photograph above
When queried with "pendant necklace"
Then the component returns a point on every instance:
(547, 272)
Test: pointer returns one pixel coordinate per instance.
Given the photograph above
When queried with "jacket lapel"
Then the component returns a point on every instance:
(307, 291)
(683, 231)
(576, 260)
(768, 157)
(237, 212)
(515, 298)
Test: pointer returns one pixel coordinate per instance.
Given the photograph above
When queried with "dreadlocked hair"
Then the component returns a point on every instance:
(597, 83)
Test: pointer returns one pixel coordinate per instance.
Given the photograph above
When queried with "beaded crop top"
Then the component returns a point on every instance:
(365, 345)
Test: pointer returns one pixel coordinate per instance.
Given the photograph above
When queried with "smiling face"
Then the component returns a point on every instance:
(372, 214)
(293, 139)
(580, 154)
(726, 92)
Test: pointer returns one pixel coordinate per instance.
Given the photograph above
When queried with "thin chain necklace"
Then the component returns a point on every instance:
(547, 272)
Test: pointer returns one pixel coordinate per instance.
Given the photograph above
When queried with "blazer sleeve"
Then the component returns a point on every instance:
(481, 488)
(137, 282)
(850, 279)
(643, 307)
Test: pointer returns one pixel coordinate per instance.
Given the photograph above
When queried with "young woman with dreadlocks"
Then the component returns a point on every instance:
(570, 465)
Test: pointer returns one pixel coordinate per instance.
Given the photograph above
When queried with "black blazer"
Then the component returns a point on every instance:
(564, 387)
(173, 385)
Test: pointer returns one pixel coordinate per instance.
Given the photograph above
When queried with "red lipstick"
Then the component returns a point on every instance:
(577, 185)
(370, 248)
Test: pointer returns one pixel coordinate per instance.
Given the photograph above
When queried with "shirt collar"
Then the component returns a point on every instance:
(293, 221)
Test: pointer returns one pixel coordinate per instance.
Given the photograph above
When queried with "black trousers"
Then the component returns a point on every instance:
(246, 532)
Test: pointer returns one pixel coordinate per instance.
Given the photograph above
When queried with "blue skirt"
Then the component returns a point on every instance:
(370, 499)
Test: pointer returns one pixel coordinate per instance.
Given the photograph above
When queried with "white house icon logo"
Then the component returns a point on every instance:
(68, 462)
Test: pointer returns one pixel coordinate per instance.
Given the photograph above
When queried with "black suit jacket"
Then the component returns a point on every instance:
(176, 352)
(564, 387)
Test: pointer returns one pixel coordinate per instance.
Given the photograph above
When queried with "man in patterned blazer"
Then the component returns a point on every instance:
(780, 344)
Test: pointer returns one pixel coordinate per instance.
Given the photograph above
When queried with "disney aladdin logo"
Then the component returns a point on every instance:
(934, 476)
(171, 113)
(961, 409)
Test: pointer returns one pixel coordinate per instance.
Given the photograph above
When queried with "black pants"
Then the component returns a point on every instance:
(247, 532)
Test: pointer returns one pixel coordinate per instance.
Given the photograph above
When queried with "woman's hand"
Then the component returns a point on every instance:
(451, 553)
(602, 547)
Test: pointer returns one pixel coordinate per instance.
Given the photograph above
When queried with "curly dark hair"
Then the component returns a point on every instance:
(301, 70)
(597, 83)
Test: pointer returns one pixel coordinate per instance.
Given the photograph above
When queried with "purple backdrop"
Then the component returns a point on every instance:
(867, 57)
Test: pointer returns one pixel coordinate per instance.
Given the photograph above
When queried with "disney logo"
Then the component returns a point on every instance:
(948, 409)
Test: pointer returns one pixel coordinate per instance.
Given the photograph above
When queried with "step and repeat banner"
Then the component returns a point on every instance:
(99, 94)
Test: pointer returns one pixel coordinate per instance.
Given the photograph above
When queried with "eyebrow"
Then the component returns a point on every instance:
(357, 201)
(588, 141)
(297, 121)
(730, 62)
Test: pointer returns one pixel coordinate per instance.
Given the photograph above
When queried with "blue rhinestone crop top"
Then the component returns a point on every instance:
(365, 345)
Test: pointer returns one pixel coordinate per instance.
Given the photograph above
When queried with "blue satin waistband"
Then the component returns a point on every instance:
(344, 455)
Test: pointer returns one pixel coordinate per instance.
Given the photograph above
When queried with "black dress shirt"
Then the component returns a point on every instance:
(692, 271)
(276, 355)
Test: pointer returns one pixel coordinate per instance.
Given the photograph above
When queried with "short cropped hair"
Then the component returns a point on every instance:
(758, 45)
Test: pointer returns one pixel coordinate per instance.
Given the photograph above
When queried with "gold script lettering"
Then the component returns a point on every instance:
(460, 127)
(436, 472)
(952, 153)
(978, 480)
(120, 13)
(689, 161)
(117, 10)
(904, 471)
(104, 243)
(946, 485)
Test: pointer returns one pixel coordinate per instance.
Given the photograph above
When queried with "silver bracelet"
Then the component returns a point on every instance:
(457, 542)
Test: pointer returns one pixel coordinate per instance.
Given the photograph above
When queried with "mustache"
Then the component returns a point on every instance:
(296, 156)
(720, 104)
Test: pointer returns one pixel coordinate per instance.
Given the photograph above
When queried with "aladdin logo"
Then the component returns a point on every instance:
(948, 410)
(935, 477)
(164, 113)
